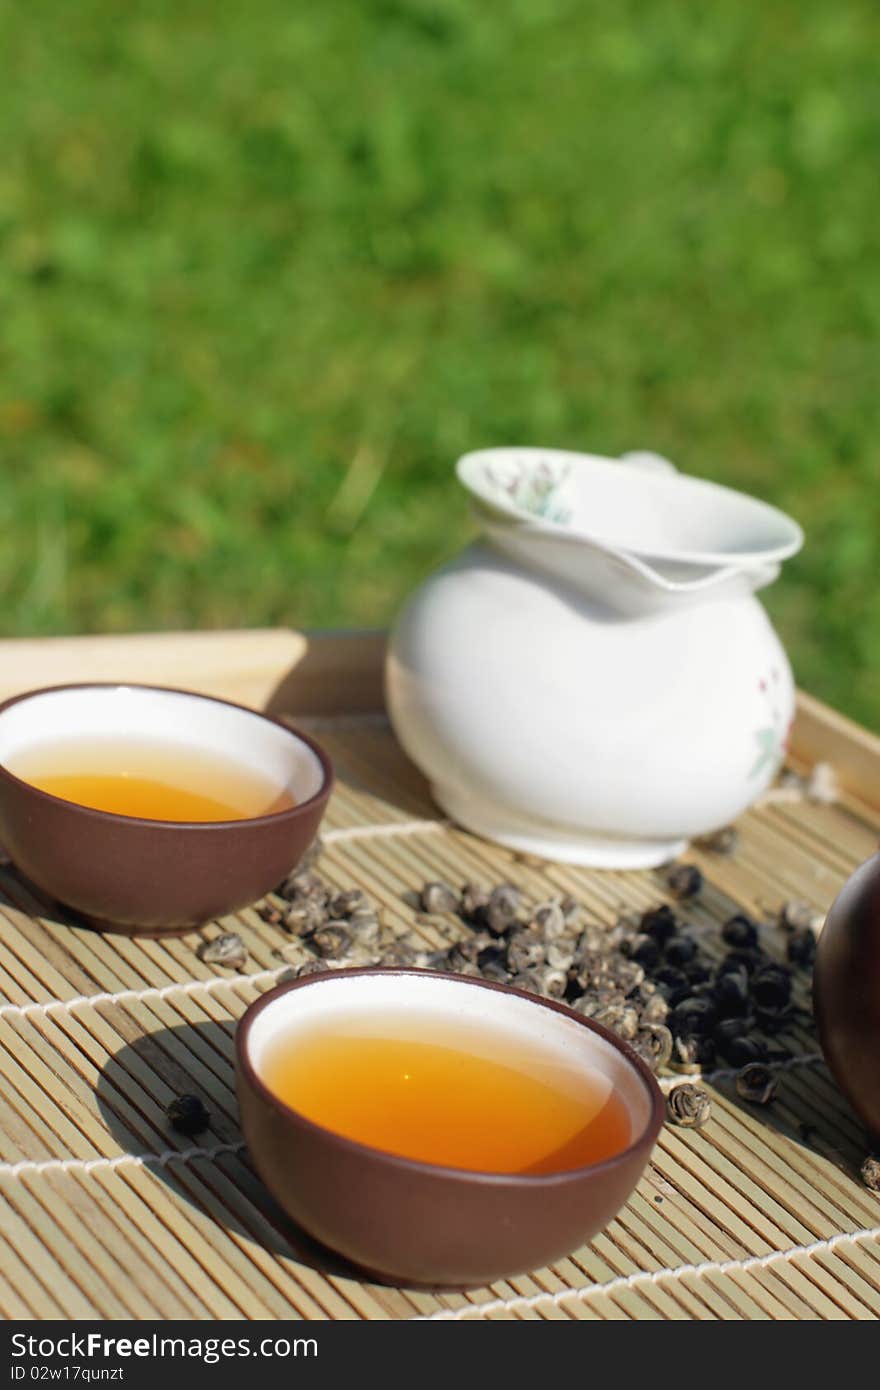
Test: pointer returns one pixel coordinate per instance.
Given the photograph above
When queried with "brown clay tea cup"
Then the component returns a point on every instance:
(413, 1222)
(127, 874)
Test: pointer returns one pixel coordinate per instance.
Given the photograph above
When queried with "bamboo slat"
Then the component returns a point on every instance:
(105, 1212)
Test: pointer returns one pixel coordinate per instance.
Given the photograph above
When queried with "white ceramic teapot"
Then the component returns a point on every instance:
(594, 681)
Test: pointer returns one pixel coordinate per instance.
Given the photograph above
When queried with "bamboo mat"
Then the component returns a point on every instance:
(105, 1212)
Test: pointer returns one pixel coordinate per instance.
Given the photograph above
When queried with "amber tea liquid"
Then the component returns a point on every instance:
(156, 781)
(495, 1105)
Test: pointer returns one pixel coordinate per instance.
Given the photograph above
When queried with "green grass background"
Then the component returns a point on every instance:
(266, 269)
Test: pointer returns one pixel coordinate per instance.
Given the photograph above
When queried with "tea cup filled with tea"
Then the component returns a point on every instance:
(439, 1129)
(147, 809)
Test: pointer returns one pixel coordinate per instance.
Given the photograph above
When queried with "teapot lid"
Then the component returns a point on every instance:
(656, 513)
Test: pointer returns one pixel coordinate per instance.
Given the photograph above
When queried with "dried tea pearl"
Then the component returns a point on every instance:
(571, 909)
(331, 941)
(495, 971)
(523, 954)
(364, 925)
(473, 900)
(723, 841)
(685, 880)
(559, 955)
(361, 954)
(439, 898)
(553, 983)
(227, 949)
(654, 1043)
(756, 1083)
(526, 980)
(550, 918)
(625, 974)
(740, 931)
(399, 954)
(271, 914)
(771, 987)
(312, 967)
(311, 856)
(188, 1114)
(680, 950)
(688, 1106)
(801, 947)
(304, 917)
(347, 902)
(430, 960)
(655, 1009)
(693, 1054)
(659, 922)
(870, 1173)
(798, 916)
(471, 946)
(500, 912)
(304, 885)
(622, 1019)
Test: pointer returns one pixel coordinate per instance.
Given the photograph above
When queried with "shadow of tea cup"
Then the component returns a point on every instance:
(130, 874)
(412, 1221)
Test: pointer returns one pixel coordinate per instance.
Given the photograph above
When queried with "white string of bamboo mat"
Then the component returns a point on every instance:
(27, 1166)
(647, 1278)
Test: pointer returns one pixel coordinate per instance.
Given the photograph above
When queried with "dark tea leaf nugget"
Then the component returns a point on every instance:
(740, 931)
(745, 958)
(685, 880)
(697, 972)
(680, 950)
(771, 986)
(643, 949)
(673, 984)
(756, 1083)
(693, 1017)
(226, 949)
(659, 922)
(438, 898)
(741, 1051)
(731, 992)
(688, 1106)
(801, 947)
(188, 1114)
(726, 1031)
(870, 1173)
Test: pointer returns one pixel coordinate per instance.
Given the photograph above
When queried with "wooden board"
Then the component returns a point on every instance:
(105, 1212)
